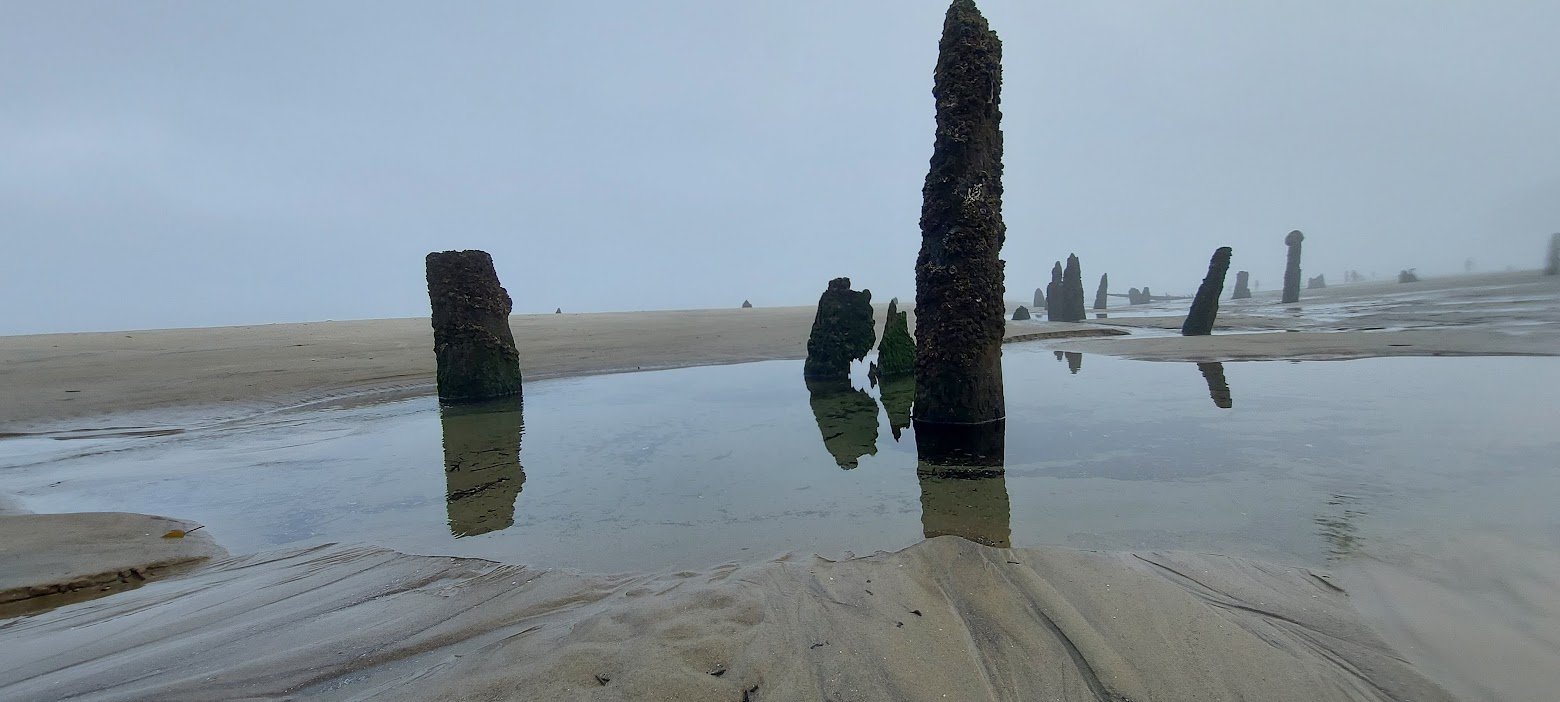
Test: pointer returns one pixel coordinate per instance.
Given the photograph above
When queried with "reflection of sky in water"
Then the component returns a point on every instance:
(1311, 461)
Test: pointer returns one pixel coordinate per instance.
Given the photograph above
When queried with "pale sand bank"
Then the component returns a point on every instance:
(51, 556)
(946, 619)
(57, 382)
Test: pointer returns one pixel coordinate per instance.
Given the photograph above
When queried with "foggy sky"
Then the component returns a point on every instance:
(167, 164)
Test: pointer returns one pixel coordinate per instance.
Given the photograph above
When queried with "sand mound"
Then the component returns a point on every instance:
(78, 556)
(946, 619)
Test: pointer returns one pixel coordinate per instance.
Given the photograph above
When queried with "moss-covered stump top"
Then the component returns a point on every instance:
(896, 352)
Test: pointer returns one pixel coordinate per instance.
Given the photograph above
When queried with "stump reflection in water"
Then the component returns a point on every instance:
(848, 419)
(482, 469)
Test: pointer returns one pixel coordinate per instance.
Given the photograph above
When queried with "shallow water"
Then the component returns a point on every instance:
(1298, 462)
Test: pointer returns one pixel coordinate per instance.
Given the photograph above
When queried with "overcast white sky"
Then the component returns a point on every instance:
(170, 164)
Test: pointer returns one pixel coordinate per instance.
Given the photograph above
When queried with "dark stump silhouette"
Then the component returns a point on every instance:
(1022, 313)
(472, 343)
(1101, 295)
(1292, 267)
(896, 352)
(482, 471)
(1218, 388)
(1242, 286)
(1147, 296)
(848, 419)
(1039, 299)
(1552, 266)
(1072, 292)
(1317, 283)
(1205, 307)
(1134, 296)
(959, 272)
(842, 332)
(1408, 276)
(1053, 295)
(1074, 361)
(747, 305)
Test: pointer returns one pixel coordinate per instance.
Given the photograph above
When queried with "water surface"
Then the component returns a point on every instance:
(1298, 462)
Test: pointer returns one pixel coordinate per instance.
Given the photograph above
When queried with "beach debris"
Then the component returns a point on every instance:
(1242, 286)
(959, 271)
(1408, 276)
(1039, 299)
(1053, 294)
(1292, 267)
(602, 679)
(181, 533)
(848, 419)
(1552, 267)
(747, 305)
(1218, 388)
(1022, 313)
(1101, 294)
(896, 351)
(472, 342)
(718, 671)
(842, 332)
(1316, 283)
(1205, 307)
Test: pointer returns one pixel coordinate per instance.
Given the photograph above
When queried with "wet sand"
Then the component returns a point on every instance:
(944, 619)
(64, 382)
(1498, 314)
(349, 622)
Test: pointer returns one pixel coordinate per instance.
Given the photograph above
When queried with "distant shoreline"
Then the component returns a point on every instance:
(63, 382)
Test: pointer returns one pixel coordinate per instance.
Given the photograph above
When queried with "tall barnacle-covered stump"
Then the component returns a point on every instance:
(958, 274)
(472, 343)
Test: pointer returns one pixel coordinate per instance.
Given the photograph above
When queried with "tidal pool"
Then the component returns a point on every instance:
(1297, 462)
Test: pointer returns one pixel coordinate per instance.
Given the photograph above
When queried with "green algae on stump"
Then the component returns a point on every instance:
(896, 352)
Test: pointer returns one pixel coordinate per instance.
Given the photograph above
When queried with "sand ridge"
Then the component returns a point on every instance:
(944, 619)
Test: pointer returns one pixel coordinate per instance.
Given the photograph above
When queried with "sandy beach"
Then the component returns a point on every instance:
(944, 619)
